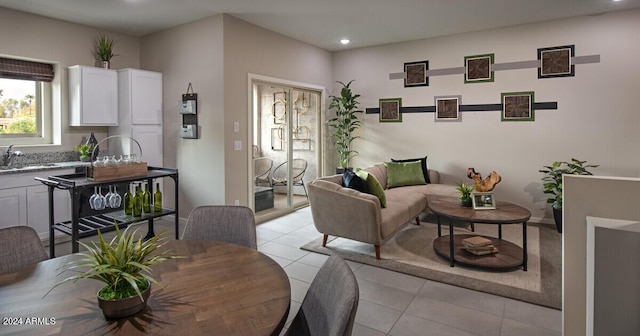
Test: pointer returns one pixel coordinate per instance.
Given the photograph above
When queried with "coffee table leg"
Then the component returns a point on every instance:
(451, 242)
(439, 232)
(499, 231)
(524, 246)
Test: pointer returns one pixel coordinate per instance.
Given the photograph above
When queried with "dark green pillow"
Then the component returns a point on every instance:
(375, 188)
(423, 161)
(353, 181)
(404, 174)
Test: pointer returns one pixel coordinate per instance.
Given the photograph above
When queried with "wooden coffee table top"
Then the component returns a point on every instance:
(504, 213)
(220, 288)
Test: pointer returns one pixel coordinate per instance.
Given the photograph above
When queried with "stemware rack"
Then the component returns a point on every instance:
(86, 222)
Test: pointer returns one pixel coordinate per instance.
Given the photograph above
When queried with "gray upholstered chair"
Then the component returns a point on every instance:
(298, 169)
(225, 223)
(330, 305)
(20, 246)
(262, 171)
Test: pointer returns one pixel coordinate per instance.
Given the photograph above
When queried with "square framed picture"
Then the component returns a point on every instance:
(415, 74)
(477, 69)
(390, 110)
(556, 62)
(447, 108)
(518, 106)
(483, 200)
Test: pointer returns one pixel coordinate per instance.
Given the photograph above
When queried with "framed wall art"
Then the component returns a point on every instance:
(447, 108)
(416, 74)
(483, 201)
(390, 110)
(279, 107)
(556, 62)
(477, 69)
(517, 106)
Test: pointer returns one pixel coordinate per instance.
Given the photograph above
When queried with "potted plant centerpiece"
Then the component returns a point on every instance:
(124, 265)
(553, 183)
(85, 151)
(344, 124)
(104, 50)
(465, 191)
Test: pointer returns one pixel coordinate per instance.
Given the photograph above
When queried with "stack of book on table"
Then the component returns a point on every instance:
(479, 245)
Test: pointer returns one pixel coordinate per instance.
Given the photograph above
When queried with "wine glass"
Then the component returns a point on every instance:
(99, 201)
(108, 196)
(116, 199)
(93, 197)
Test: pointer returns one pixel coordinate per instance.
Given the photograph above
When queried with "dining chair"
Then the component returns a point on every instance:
(262, 171)
(20, 246)
(330, 305)
(226, 223)
(298, 169)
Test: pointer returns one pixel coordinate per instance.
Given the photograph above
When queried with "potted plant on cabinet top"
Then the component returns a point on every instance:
(104, 50)
(85, 151)
(124, 265)
(553, 183)
(465, 191)
(344, 124)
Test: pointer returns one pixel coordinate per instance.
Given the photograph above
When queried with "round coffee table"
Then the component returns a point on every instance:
(450, 247)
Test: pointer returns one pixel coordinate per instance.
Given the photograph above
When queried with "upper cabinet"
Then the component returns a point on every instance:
(93, 96)
(140, 97)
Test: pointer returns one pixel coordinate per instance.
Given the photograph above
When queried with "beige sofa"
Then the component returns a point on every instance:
(348, 213)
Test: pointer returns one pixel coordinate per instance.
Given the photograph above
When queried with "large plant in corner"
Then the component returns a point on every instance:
(552, 183)
(345, 123)
(124, 265)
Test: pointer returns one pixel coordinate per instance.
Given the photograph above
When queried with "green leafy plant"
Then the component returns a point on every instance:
(553, 178)
(104, 48)
(345, 122)
(465, 191)
(123, 264)
(85, 150)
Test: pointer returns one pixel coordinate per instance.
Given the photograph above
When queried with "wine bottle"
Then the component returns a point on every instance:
(137, 202)
(146, 199)
(128, 201)
(157, 199)
(93, 141)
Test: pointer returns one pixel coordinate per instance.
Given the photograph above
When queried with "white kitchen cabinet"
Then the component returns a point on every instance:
(93, 96)
(139, 97)
(13, 207)
(38, 205)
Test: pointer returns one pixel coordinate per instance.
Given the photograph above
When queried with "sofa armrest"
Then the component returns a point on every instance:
(434, 176)
(345, 212)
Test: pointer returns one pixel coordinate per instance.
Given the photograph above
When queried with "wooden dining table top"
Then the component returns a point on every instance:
(218, 289)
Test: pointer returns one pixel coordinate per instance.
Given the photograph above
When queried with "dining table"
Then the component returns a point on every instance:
(215, 289)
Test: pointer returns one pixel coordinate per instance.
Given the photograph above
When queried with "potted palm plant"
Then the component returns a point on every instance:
(465, 191)
(552, 183)
(344, 124)
(104, 50)
(124, 265)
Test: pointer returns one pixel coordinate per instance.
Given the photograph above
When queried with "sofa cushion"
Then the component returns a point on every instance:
(414, 200)
(404, 174)
(353, 181)
(374, 186)
(423, 163)
(380, 172)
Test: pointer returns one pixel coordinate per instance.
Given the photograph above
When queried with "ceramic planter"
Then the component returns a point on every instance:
(114, 309)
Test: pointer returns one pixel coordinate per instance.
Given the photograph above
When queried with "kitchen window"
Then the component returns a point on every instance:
(25, 102)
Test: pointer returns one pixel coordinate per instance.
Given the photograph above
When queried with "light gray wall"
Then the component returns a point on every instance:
(597, 117)
(35, 37)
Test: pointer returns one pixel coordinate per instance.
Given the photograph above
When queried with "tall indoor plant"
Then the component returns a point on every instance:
(553, 183)
(345, 123)
(124, 265)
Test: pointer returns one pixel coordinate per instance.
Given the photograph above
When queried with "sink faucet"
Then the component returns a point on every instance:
(10, 155)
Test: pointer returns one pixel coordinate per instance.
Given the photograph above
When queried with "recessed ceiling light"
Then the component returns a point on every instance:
(617, 0)
(345, 41)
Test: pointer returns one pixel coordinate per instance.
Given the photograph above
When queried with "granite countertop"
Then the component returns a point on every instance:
(43, 167)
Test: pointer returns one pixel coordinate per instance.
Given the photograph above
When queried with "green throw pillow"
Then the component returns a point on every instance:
(404, 174)
(375, 188)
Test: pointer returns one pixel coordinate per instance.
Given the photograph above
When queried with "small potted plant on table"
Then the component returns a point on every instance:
(124, 265)
(465, 191)
(553, 183)
(85, 151)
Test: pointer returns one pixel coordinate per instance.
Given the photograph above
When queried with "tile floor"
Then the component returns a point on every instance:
(394, 303)
(398, 304)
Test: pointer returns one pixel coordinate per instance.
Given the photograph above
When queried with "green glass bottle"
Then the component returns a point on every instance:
(137, 202)
(146, 199)
(157, 199)
(128, 201)
(139, 189)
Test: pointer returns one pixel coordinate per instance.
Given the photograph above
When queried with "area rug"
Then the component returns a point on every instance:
(411, 252)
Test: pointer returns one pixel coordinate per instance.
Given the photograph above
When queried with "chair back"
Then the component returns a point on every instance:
(330, 305)
(225, 223)
(262, 169)
(20, 246)
(298, 169)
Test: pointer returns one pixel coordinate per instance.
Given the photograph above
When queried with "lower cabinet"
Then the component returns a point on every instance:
(38, 200)
(13, 207)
